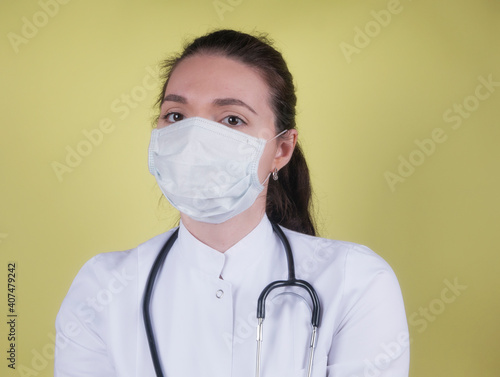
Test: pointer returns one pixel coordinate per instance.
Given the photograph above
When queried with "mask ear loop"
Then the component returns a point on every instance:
(281, 133)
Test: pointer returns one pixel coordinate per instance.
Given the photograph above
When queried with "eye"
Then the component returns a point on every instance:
(233, 120)
(173, 117)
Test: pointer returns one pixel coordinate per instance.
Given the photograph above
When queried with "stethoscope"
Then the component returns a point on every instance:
(261, 302)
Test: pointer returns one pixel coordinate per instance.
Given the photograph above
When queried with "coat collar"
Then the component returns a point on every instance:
(233, 263)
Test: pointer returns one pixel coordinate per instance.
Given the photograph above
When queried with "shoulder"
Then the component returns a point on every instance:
(106, 281)
(345, 271)
(112, 271)
(108, 264)
(315, 255)
(357, 287)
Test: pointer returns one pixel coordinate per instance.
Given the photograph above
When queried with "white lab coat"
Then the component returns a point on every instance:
(204, 305)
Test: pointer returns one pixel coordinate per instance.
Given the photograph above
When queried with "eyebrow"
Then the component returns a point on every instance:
(232, 101)
(174, 98)
(217, 101)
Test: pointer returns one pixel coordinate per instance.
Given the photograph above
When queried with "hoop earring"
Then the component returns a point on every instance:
(275, 174)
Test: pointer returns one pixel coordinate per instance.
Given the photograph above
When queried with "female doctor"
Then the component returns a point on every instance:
(225, 154)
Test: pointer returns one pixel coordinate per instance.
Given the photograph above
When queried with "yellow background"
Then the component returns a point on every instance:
(358, 113)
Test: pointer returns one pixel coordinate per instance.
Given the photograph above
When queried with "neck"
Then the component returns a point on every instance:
(223, 236)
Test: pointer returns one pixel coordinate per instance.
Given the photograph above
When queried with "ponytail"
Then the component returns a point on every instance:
(289, 197)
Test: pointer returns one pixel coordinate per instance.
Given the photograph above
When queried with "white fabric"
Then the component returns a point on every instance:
(205, 169)
(100, 329)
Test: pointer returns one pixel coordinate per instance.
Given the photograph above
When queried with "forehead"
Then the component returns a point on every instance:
(203, 75)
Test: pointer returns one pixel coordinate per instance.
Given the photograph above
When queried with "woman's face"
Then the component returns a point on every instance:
(225, 91)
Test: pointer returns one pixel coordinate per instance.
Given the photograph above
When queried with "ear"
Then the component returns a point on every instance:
(285, 147)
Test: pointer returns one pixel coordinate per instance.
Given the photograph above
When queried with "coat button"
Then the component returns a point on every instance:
(219, 293)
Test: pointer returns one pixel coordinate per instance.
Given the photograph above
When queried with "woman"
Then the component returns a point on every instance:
(225, 154)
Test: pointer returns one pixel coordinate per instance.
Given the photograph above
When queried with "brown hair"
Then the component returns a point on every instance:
(288, 198)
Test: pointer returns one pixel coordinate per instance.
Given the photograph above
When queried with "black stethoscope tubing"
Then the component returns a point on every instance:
(261, 303)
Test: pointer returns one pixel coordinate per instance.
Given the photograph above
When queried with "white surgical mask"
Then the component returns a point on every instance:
(205, 169)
